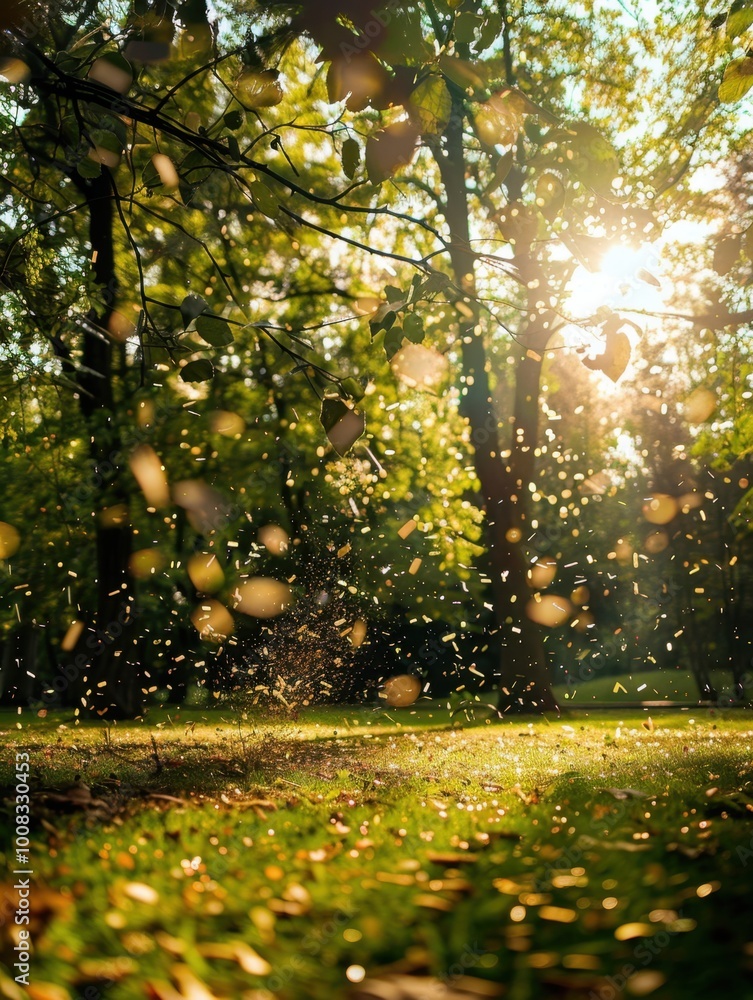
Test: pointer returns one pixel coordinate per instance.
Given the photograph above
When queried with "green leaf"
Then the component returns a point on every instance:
(393, 341)
(233, 148)
(106, 140)
(738, 79)
(466, 26)
(350, 156)
(739, 19)
(470, 77)
(384, 319)
(501, 170)
(550, 194)
(353, 388)
(191, 307)
(233, 120)
(413, 328)
(342, 425)
(264, 200)
(591, 157)
(490, 32)
(214, 330)
(393, 293)
(89, 168)
(437, 281)
(431, 104)
(197, 371)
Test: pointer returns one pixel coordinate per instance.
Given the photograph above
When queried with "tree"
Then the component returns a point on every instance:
(468, 167)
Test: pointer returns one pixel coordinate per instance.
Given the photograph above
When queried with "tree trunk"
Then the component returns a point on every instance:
(103, 677)
(524, 680)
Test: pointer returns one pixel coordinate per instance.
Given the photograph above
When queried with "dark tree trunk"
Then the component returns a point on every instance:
(104, 674)
(524, 678)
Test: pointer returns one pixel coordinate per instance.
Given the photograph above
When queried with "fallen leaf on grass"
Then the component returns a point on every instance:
(625, 793)
(630, 847)
(43, 991)
(142, 893)
(237, 951)
(433, 902)
(190, 986)
(525, 798)
(397, 987)
(112, 969)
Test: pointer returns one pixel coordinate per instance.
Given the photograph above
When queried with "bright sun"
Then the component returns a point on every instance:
(620, 283)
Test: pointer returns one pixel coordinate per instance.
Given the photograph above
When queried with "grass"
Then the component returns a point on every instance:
(646, 685)
(199, 856)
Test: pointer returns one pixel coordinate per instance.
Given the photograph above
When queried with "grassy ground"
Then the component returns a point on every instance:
(645, 685)
(357, 853)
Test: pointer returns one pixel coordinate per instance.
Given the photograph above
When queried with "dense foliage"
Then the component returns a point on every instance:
(342, 341)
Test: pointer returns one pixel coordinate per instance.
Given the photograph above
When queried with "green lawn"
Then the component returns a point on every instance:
(193, 855)
(648, 685)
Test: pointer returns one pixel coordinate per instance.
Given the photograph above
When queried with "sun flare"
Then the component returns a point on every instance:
(624, 279)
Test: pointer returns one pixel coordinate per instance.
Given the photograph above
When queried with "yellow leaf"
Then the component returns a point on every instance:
(738, 79)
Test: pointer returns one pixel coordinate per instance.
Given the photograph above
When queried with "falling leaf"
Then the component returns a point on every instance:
(401, 690)
(358, 79)
(262, 597)
(699, 405)
(227, 423)
(644, 982)
(350, 156)
(548, 609)
(112, 71)
(626, 932)
(142, 893)
(644, 275)
(389, 149)
(14, 70)
(407, 528)
(357, 633)
(9, 540)
(72, 635)
(165, 171)
(542, 573)
(205, 572)
(149, 473)
(343, 424)
(207, 508)
(615, 358)
(274, 538)
(660, 508)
